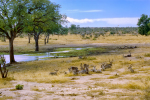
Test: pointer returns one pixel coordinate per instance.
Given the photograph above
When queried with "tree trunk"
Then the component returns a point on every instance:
(48, 38)
(36, 38)
(1, 71)
(11, 50)
(45, 41)
(4, 39)
(29, 38)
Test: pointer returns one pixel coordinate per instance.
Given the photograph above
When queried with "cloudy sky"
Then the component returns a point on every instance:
(104, 13)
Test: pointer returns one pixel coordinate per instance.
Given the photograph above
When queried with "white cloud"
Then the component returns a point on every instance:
(118, 21)
(76, 10)
(72, 20)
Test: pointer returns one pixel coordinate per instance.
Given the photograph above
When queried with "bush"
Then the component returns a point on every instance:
(112, 33)
(94, 38)
(87, 37)
(19, 87)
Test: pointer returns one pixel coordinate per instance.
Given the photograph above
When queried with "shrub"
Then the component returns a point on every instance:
(94, 38)
(112, 33)
(19, 87)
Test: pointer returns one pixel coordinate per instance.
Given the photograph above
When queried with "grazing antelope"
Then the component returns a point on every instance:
(97, 71)
(108, 65)
(86, 67)
(80, 57)
(72, 68)
(81, 67)
(129, 55)
(75, 72)
(82, 71)
(103, 66)
(53, 73)
(94, 69)
(130, 68)
(65, 72)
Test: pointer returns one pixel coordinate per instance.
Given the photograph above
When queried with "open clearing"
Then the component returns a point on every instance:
(116, 83)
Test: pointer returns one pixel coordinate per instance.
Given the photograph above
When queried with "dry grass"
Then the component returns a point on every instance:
(35, 88)
(77, 39)
(130, 85)
(38, 71)
(6, 97)
(71, 39)
(95, 93)
(113, 76)
(5, 82)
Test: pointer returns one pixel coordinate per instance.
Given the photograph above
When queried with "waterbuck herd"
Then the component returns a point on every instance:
(84, 68)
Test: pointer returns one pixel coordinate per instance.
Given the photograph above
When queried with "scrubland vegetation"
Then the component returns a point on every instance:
(113, 63)
(113, 83)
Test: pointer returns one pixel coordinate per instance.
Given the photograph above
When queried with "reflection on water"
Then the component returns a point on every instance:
(26, 57)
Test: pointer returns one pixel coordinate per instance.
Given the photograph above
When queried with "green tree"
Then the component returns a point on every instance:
(13, 17)
(144, 25)
(63, 30)
(44, 15)
(73, 28)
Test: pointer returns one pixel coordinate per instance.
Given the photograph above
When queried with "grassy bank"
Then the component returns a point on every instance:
(21, 45)
(115, 82)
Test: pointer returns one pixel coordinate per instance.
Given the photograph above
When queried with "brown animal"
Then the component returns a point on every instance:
(72, 68)
(53, 73)
(94, 69)
(86, 67)
(130, 68)
(103, 66)
(97, 70)
(81, 67)
(108, 65)
(129, 55)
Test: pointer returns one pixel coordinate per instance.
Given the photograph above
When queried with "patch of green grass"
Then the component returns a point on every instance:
(63, 49)
(94, 38)
(84, 59)
(83, 52)
(37, 54)
(51, 57)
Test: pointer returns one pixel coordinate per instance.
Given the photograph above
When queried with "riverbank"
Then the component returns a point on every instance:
(116, 83)
(21, 45)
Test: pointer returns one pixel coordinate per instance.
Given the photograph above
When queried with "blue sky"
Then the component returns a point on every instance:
(104, 13)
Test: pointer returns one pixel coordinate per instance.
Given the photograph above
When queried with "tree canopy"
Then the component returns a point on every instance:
(44, 17)
(144, 25)
(37, 16)
(13, 19)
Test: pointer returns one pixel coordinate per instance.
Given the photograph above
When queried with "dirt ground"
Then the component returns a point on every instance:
(117, 83)
(108, 85)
